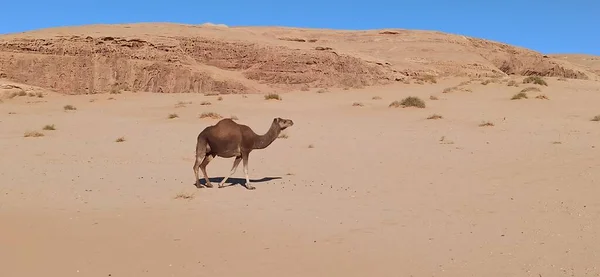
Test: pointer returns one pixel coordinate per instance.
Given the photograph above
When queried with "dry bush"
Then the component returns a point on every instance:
(432, 97)
(39, 95)
(69, 108)
(450, 89)
(410, 101)
(520, 95)
(357, 104)
(528, 89)
(121, 139)
(220, 98)
(596, 118)
(512, 83)
(173, 115)
(537, 80)
(427, 79)
(22, 93)
(49, 127)
(464, 83)
(322, 91)
(182, 104)
(543, 97)
(562, 79)
(184, 196)
(205, 103)
(210, 115)
(486, 124)
(283, 136)
(305, 88)
(376, 98)
(211, 93)
(435, 116)
(33, 134)
(272, 96)
(311, 146)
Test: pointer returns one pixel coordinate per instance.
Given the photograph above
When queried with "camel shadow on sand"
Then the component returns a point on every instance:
(232, 181)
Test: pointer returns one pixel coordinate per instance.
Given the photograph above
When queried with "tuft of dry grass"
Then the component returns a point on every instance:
(311, 146)
(69, 108)
(272, 96)
(212, 115)
(121, 139)
(512, 83)
(357, 104)
(433, 97)
(563, 79)
(542, 96)
(410, 101)
(520, 95)
(173, 115)
(376, 98)
(426, 79)
(322, 90)
(283, 136)
(528, 89)
(220, 98)
(486, 124)
(182, 104)
(33, 134)
(49, 127)
(184, 196)
(205, 103)
(537, 80)
(435, 116)
(596, 118)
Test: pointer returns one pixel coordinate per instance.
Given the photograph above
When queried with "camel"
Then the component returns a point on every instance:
(229, 139)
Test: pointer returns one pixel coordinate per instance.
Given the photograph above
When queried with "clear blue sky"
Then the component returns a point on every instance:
(550, 26)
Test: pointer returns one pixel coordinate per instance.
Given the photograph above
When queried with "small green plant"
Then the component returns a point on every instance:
(520, 95)
(49, 127)
(537, 80)
(410, 101)
(121, 139)
(272, 96)
(69, 108)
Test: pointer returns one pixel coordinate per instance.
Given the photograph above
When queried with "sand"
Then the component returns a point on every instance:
(352, 190)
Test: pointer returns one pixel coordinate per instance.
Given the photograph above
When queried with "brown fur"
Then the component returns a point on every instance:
(229, 139)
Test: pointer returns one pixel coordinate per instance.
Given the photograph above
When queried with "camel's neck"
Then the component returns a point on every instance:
(265, 140)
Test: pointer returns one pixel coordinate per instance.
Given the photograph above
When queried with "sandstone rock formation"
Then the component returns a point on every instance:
(177, 58)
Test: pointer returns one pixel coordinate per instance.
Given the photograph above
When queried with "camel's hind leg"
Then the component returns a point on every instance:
(233, 169)
(201, 147)
(203, 165)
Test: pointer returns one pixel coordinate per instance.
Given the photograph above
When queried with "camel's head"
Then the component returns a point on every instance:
(283, 123)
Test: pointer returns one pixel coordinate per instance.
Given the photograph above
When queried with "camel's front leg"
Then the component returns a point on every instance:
(245, 158)
(203, 165)
(233, 169)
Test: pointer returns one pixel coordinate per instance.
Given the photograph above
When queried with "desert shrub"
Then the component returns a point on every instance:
(272, 96)
(520, 95)
(212, 115)
(69, 108)
(410, 101)
(537, 80)
(49, 127)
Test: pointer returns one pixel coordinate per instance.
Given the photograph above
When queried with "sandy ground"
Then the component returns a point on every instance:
(352, 191)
